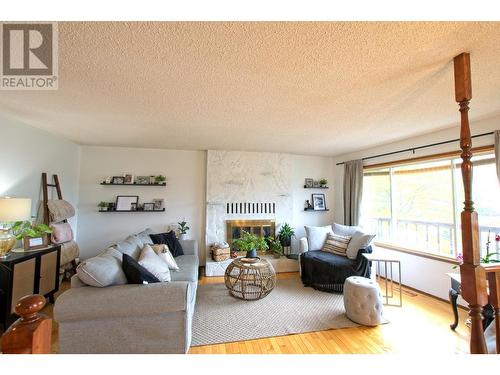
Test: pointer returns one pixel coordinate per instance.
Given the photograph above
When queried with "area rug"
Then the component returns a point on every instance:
(290, 308)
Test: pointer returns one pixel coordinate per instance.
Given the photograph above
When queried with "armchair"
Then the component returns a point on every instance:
(326, 271)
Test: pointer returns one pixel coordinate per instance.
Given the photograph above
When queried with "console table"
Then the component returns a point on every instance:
(455, 290)
(27, 272)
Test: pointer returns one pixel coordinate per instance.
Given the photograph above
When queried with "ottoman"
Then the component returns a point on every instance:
(363, 301)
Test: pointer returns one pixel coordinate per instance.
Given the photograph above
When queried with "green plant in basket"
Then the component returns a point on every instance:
(250, 243)
(23, 229)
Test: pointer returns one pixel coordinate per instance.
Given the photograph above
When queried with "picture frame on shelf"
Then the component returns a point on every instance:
(108, 180)
(148, 207)
(158, 204)
(142, 180)
(124, 202)
(308, 183)
(128, 178)
(316, 184)
(118, 180)
(319, 203)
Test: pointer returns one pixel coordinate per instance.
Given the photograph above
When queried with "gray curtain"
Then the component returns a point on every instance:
(497, 152)
(353, 190)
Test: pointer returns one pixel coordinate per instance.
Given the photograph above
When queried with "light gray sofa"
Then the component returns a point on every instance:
(154, 318)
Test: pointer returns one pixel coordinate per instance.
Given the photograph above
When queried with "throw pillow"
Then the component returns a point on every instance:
(359, 240)
(102, 270)
(344, 230)
(164, 253)
(144, 236)
(169, 239)
(336, 244)
(135, 273)
(316, 236)
(154, 264)
(132, 246)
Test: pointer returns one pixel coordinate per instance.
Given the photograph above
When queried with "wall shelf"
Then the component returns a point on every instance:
(310, 209)
(111, 184)
(319, 187)
(138, 211)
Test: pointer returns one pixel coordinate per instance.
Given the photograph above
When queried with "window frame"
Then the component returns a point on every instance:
(457, 207)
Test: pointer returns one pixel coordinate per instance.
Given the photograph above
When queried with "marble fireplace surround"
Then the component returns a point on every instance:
(245, 186)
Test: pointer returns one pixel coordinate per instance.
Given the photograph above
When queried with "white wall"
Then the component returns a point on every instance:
(26, 152)
(427, 275)
(184, 195)
(311, 167)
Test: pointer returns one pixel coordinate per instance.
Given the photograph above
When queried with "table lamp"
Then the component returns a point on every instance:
(11, 210)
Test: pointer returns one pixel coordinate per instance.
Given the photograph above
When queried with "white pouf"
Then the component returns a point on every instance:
(363, 301)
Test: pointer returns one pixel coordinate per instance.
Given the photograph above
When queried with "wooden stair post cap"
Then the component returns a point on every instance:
(28, 306)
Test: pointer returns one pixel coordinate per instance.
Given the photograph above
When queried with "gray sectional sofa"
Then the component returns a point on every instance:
(128, 318)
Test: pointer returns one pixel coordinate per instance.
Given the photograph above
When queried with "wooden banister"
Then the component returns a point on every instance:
(30, 334)
(472, 274)
(494, 300)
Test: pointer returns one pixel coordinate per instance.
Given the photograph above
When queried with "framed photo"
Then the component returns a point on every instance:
(124, 202)
(118, 180)
(316, 184)
(108, 180)
(142, 180)
(319, 202)
(128, 178)
(308, 183)
(33, 243)
(158, 204)
(149, 207)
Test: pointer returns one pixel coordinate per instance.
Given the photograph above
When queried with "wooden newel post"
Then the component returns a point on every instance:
(472, 274)
(30, 334)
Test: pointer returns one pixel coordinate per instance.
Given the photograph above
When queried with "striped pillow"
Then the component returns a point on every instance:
(336, 244)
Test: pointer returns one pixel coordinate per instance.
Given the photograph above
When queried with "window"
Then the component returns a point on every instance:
(417, 206)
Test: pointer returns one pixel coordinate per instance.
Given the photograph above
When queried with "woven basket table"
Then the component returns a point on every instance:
(250, 278)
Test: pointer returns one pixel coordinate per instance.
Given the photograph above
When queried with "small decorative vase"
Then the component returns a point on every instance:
(252, 254)
(183, 237)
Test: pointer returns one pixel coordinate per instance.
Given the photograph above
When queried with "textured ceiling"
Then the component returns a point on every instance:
(308, 88)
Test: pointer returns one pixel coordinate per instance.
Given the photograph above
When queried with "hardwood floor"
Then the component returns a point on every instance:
(420, 326)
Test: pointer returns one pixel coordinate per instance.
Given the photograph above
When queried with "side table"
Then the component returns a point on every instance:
(250, 278)
(27, 272)
(388, 276)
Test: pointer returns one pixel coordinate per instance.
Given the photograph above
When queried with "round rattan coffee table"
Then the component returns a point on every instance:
(250, 278)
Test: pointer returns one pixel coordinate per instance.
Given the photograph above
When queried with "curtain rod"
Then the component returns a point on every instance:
(412, 149)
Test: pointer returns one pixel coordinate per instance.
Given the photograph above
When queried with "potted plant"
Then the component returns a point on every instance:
(323, 182)
(160, 179)
(275, 247)
(285, 234)
(103, 206)
(183, 228)
(250, 243)
(24, 230)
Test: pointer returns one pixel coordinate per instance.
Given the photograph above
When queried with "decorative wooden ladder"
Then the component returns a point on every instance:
(473, 274)
(30, 334)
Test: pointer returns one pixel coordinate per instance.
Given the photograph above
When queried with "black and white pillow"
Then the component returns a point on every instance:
(336, 244)
(135, 273)
(169, 239)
